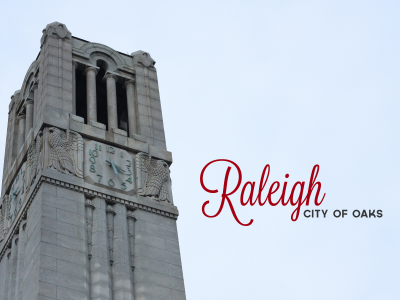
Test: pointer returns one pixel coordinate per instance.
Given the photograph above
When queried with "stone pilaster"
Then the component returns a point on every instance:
(55, 88)
(131, 234)
(21, 261)
(74, 66)
(13, 268)
(99, 262)
(150, 121)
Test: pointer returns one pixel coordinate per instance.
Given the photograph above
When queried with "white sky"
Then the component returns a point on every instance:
(289, 83)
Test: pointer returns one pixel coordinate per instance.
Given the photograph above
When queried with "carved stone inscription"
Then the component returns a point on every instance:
(109, 166)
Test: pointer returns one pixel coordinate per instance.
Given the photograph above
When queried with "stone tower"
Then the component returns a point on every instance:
(86, 207)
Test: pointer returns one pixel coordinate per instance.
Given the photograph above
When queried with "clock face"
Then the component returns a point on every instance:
(16, 196)
(109, 166)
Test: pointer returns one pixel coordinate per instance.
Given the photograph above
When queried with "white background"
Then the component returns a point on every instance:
(288, 83)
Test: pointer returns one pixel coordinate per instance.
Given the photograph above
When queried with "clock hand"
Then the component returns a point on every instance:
(116, 166)
(115, 169)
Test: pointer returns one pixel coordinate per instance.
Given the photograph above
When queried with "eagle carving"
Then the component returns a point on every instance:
(66, 151)
(153, 178)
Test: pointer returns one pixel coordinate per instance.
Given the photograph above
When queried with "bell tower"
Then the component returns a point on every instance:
(86, 206)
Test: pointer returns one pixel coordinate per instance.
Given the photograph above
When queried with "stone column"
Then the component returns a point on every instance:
(130, 96)
(35, 94)
(21, 130)
(29, 116)
(111, 80)
(91, 73)
(74, 66)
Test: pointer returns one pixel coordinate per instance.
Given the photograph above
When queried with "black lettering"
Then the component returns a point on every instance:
(354, 214)
(379, 212)
(324, 212)
(305, 213)
(372, 213)
(344, 212)
(334, 213)
(364, 214)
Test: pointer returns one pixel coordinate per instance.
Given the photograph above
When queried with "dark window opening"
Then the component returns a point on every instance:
(101, 95)
(122, 107)
(80, 94)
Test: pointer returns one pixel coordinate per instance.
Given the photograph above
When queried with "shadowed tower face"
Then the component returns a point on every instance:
(86, 206)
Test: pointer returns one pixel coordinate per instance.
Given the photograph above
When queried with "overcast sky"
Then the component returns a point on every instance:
(286, 83)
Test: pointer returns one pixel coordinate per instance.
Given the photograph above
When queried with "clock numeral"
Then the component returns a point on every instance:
(92, 160)
(92, 169)
(122, 154)
(111, 182)
(130, 172)
(110, 149)
(129, 180)
(123, 185)
(130, 164)
(100, 177)
(93, 153)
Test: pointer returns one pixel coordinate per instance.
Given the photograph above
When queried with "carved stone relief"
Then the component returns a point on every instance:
(66, 152)
(55, 29)
(153, 178)
(144, 58)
